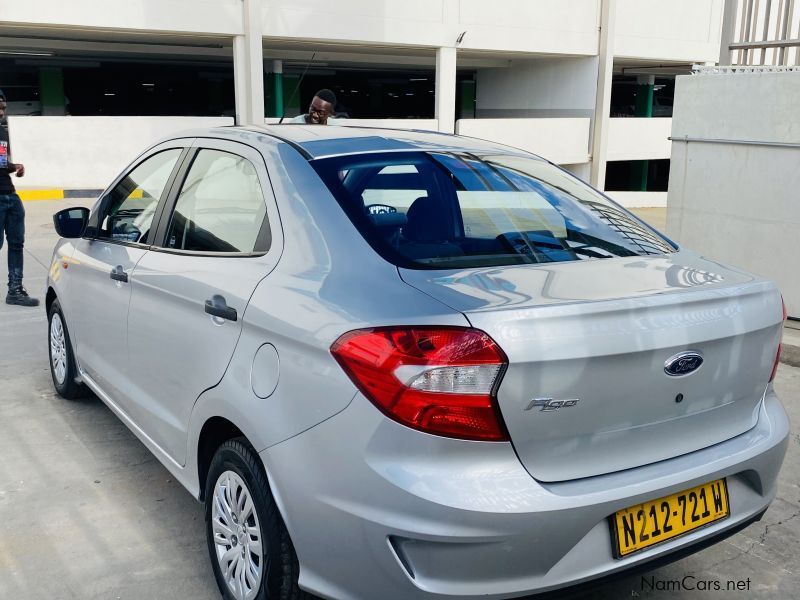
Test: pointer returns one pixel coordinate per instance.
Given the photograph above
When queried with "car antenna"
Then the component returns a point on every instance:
(297, 87)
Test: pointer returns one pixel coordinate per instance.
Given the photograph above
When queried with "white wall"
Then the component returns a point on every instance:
(739, 203)
(684, 30)
(197, 16)
(88, 152)
(563, 141)
(674, 30)
(639, 199)
(551, 26)
(552, 87)
(639, 139)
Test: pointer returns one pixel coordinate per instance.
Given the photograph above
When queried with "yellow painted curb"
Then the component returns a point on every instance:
(28, 195)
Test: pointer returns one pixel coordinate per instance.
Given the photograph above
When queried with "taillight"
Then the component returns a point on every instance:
(780, 342)
(440, 380)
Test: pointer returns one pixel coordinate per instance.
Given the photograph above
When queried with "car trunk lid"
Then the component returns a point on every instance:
(586, 391)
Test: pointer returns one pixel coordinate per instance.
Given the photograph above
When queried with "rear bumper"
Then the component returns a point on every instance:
(375, 508)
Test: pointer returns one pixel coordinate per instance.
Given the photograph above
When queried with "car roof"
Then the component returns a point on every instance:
(318, 141)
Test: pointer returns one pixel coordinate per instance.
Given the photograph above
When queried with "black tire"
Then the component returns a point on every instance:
(68, 388)
(278, 558)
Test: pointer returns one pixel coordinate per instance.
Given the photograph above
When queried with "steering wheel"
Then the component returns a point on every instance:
(514, 242)
(379, 209)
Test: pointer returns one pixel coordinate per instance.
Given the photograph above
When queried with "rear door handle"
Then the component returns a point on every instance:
(119, 274)
(218, 307)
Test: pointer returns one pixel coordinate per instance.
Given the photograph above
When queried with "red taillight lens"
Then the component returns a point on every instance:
(780, 342)
(440, 380)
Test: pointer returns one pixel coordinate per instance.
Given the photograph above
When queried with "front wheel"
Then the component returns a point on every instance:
(251, 553)
(62, 362)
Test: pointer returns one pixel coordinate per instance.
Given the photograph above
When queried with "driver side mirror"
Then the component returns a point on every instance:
(71, 222)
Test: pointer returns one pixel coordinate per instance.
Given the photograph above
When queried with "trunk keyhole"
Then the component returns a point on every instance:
(679, 398)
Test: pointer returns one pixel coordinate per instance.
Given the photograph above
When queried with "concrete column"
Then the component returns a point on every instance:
(248, 67)
(446, 89)
(466, 107)
(51, 91)
(275, 89)
(645, 85)
(602, 107)
(277, 74)
(240, 80)
(728, 31)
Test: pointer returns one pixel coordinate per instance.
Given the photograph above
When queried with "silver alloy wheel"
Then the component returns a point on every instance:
(58, 349)
(237, 536)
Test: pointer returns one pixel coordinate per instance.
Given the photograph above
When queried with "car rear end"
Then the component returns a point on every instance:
(607, 403)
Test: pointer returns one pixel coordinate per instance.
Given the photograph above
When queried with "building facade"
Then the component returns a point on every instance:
(585, 83)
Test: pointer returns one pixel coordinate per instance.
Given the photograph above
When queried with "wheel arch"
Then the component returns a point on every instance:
(215, 432)
(49, 298)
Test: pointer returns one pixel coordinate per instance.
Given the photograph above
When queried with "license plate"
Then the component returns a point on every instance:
(656, 521)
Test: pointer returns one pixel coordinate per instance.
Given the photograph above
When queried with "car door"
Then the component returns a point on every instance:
(118, 235)
(218, 239)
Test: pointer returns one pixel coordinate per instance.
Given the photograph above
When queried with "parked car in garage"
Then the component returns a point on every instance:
(413, 365)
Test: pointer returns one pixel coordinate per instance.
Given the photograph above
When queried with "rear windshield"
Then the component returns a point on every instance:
(432, 210)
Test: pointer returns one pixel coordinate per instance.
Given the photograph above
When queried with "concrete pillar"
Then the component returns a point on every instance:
(446, 89)
(728, 31)
(248, 67)
(51, 91)
(240, 80)
(277, 74)
(466, 106)
(602, 108)
(275, 89)
(645, 85)
(291, 98)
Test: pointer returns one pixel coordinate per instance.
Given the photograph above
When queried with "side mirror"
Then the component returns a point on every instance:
(71, 222)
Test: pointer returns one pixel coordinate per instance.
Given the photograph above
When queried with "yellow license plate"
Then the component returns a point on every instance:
(656, 521)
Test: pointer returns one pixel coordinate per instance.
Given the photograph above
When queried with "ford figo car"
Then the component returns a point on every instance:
(415, 365)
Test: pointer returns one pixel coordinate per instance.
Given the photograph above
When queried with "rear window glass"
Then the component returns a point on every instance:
(431, 210)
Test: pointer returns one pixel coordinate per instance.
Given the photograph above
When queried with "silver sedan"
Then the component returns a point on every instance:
(413, 365)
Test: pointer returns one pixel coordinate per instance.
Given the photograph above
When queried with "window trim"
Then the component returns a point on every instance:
(265, 238)
(93, 224)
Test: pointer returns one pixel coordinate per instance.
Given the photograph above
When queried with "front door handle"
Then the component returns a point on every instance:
(218, 307)
(119, 274)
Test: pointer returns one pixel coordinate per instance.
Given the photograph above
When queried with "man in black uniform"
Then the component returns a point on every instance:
(12, 217)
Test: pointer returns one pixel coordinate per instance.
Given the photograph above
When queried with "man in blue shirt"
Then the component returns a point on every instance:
(12, 216)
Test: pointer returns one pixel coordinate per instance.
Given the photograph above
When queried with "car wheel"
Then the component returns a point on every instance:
(62, 362)
(251, 552)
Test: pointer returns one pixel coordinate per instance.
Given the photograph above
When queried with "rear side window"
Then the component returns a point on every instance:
(446, 210)
(220, 207)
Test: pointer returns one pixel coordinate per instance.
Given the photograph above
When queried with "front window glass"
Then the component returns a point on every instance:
(129, 208)
(446, 210)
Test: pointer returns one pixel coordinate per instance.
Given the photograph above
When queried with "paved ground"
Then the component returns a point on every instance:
(87, 512)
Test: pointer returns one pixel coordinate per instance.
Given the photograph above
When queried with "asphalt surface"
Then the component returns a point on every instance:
(87, 512)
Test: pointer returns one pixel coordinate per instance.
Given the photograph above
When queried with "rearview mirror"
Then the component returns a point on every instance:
(71, 222)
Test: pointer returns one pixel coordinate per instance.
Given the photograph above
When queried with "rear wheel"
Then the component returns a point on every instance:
(251, 553)
(62, 362)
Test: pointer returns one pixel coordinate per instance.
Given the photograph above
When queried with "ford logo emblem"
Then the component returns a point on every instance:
(683, 363)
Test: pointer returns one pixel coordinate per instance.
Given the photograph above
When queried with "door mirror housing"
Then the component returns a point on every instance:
(71, 222)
